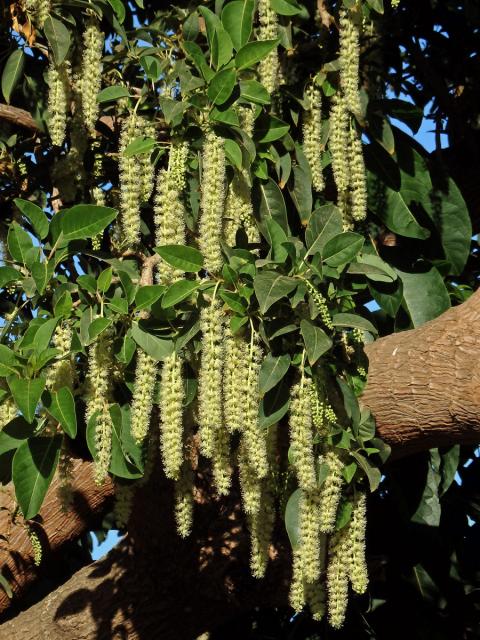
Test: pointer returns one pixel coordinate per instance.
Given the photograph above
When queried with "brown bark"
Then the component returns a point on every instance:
(54, 527)
(18, 117)
(423, 384)
(423, 390)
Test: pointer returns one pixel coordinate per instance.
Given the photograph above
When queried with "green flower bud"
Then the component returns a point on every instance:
(58, 97)
(36, 546)
(171, 397)
(301, 434)
(212, 202)
(91, 75)
(321, 304)
(143, 393)
(312, 135)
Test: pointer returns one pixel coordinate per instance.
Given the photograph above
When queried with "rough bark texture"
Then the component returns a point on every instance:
(423, 390)
(53, 526)
(423, 384)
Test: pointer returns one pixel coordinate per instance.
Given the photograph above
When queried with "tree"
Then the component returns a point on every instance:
(198, 203)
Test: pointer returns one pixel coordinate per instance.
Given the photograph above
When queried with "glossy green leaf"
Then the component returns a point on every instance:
(324, 223)
(8, 361)
(97, 327)
(222, 47)
(425, 295)
(253, 52)
(342, 248)
(273, 369)
(233, 153)
(181, 257)
(274, 405)
(41, 274)
(268, 201)
(34, 464)
(104, 280)
(12, 72)
(270, 128)
(270, 287)
(255, 92)
(58, 37)
(221, 86)
(157, 348)
(8, 275)
(35, 215)
(86, 221)
(178, 292)
(429, 509)
(353, 321)
(315, 339)
(148, 295)
(139, 146)
(15, 433)
(62, 408)
(292, 518)
(26, 394)
(237, 20)
(285, 8)
(19, 243)
(110, 94)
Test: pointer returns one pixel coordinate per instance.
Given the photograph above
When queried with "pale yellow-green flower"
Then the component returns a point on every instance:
(268, 67)
(301, 434)
(358, 181)
(349, 61)
(338, 145)
(316, 599)
(184, 501)
(337, 577)
(58, 97)
(309, 527)
(312, 135)
(39, 11)
(143, 394)
(171, 397)
(61, 372)
(212, 202)
(297, 594)
(36, 546)
(356, 530)
(234, 375)
(91, 74)
(8, 411)
(331, 491)
(253, 436)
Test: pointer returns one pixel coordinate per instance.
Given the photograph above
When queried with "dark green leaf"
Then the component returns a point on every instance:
(14, 433)
(253, 52)
(270, 128)
(7, 275)
(353, 321)
(148, 295)
(97, 327)
(62, 408)
(26, 394)
(342, 248)
(36, 216)
(270, 287)
(178, 292)
(222, 47)
(86, 221)
(268, 201)
(285, 8)
(325, 223)
(181, 257)
(8, 361)
(19, 243)
(139, 146)
(255, 92)
(425, 295)
(272, 371)
(157, 348)
(34, 464)
(58, 37)
(12, 72)
(110, 94)
(316, 340)
(41, 274)
(429, 508)
(237, 20)
(221, 86)
(373, 473)
(292, 518)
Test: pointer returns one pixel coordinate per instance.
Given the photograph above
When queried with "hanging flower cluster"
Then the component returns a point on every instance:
(91, 74)
(58, 97)
(268, 68)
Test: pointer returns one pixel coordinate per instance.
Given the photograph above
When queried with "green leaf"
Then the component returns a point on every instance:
(342, 248)
(110, 94)
(373, 473)
(97, 327)
(324, 224)
(195, 53)
(26, 394)
(181, 257)
(269, 128)
(292, 518)
(104, 280)
(226, 116)
(8, 361)
(274, 405)
(373, 267)
(233, 153)
(301, 192)
(285, 8)
(234, 301)
(64, 304)
(178, 292)
(344, 514)
(139, 146)
(14, 433)
(152, 67)
(388, 296)
(273, 370)
(221, 86)
(41, 274)
(12, 72)
(222, 47)
(353, 321)
(425, 295)
(268, 201)
(429, 509)
(34, 464)
(62, 408)
(148, 295)
(237, 20)
(270, 287)
(7, 275)
(212, 22)
(316, 340)
(127, 350)
(44, 335)
(253, 52)
(450, 462)
(86, 221)
(36, 216)
(157, 348)
(19, 243)
(377, 5)
(6, 586)
(118, 7)
(255, 92)
(58, 37)
(121, 465)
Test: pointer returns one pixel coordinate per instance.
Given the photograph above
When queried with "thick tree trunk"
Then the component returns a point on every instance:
(423, 391)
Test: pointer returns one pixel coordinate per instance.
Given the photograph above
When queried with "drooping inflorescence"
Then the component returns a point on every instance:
(301, 433)
(143, 395)
(58, 98)
(171, 397)
(99, 388)
(169, 208)
(312, 135)
(349, 62)
(331, 491)
(337, 577)
(91, 74)
(212, 201)
(358, 572)
(268, 68)
(136, 179)
(61, 372)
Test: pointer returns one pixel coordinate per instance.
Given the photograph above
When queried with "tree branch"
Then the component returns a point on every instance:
(17, 116)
